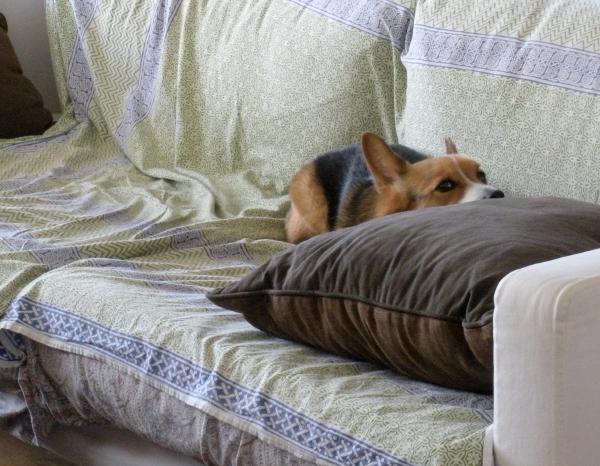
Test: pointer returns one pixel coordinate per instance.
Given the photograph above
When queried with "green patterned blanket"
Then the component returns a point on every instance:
(166, 176)
(101, 260)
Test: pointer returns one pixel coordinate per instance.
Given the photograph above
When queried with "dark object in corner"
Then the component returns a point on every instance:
(22, 111)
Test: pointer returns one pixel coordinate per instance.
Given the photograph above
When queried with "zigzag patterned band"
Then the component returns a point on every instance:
(539, 62)
(196, 381)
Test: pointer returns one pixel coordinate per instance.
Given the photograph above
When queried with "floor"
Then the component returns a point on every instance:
(13, 452)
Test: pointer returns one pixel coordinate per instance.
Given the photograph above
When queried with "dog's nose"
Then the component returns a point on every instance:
(496, 194)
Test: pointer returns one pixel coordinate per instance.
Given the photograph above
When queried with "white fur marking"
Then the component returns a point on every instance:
(474, 191)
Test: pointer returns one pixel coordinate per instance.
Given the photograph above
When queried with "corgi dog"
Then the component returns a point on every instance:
(361, 182)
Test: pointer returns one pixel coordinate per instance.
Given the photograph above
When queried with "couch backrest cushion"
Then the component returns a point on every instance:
(516, 84)
(237, 94)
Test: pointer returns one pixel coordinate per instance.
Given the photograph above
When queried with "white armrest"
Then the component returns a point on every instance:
(547, 364)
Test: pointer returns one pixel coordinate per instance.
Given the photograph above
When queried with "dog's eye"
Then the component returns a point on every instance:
(445, 186)
(481, 176)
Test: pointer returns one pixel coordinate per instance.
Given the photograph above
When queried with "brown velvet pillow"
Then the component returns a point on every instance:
(22, 111)
(413, 291)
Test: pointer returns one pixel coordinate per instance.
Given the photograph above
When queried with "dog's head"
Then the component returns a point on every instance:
(438, 181)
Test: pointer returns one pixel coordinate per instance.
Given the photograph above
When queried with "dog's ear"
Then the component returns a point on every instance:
(450, 147)
(383, 163)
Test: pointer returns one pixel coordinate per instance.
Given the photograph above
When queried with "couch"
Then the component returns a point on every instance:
(166, 175)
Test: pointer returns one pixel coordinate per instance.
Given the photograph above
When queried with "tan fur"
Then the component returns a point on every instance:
(381, 161)
(391, 200)
(308, 215)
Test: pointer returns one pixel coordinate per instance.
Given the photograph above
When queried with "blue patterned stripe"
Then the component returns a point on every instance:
(79, 80)
(179, 238)
(36, 184)
(236, 252)
(540, 62)
(201, 383)
(483, 405)
(186, 291)
(12, 349)
(55, 255)
(6, 356)
(40, 142)
(139, 102)
(381, 18)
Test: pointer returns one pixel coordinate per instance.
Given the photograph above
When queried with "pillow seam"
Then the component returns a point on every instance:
(312, 294)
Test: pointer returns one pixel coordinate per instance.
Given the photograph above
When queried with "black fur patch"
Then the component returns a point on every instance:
(346, 178)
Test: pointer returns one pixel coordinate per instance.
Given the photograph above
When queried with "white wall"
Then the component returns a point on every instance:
(27, 31)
